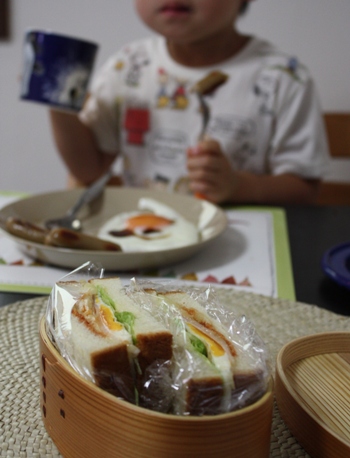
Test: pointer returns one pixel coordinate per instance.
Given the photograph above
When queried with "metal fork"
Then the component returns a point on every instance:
(69, 220)
(205, 111)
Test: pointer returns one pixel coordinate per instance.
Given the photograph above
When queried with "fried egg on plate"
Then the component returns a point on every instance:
(154, 226)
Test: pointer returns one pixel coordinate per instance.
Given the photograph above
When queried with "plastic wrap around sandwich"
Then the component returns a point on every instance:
(114, 340)
(161, 350)
(212, 373)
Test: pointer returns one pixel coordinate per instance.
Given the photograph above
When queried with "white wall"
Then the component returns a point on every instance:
(317, 31)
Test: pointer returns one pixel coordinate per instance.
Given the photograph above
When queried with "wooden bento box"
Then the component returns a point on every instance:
(85, 421)
(312, 392)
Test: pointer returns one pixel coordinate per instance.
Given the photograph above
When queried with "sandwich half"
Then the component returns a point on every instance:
(102, 347)
(208, 384)
(119, 342)
(221, 376)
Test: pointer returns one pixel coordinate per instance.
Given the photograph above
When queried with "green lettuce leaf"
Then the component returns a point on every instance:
(198, 345)
(127, 319)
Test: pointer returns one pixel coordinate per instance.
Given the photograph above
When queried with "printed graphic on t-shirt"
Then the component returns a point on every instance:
(119, 65)
(237, 137)
(264, 89)
(172, 91)
(167, 146)
(137, 61)
(167, 160)
(136, 124)
(180, 99)
(163, 97)
(161, 182)
(291, 68)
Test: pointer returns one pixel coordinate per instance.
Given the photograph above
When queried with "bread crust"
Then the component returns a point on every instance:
(155, 346)
(204, 396)
(113, 372)
(155, 352)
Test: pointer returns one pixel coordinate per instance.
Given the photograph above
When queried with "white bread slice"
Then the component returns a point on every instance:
(202, 387)
(200, 384)
(153, 341)
(152, 338)
(194, 313)
(243, 377)
(103, 355)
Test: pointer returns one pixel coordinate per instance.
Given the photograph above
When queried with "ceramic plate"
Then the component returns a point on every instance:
(210, 219)
(336, 264)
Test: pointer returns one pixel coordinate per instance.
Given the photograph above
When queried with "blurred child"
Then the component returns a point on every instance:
(265, 141)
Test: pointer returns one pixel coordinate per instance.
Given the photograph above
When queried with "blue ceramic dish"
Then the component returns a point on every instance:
(336, 264)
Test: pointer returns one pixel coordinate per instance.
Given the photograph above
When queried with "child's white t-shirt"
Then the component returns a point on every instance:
(266, 117)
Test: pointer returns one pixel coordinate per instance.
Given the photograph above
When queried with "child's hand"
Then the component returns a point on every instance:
(210, 174)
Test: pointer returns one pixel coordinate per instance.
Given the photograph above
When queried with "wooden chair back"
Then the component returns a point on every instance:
(338, 132)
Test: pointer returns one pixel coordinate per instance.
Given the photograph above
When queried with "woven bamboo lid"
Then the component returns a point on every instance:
(312, 392)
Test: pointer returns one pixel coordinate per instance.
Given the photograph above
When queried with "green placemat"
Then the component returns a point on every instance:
(283, 259)
(284, 271)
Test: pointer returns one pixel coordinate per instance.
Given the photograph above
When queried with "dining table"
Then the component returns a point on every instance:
(312, 230)
(321, 305)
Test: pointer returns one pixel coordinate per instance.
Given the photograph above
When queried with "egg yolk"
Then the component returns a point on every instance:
(215, 348)
(108, 317)
(148, 221)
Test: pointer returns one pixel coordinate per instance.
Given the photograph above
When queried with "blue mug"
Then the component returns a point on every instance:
(56, 69)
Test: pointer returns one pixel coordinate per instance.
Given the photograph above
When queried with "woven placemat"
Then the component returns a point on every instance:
(22, 432)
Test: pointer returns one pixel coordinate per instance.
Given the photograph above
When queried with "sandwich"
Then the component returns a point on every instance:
(116, 342)
(207, 354)
(162, 349)
(219, 376)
